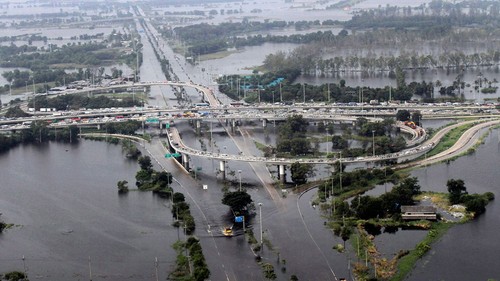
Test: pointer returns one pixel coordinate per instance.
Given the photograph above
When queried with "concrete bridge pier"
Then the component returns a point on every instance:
(198, 124)
(233, 123)
(185, 161)
(282, 173)
(264, 123)
(98, 126)
(222, 168)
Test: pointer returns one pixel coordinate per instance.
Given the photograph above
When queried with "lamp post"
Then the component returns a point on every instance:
(239, 173)
(340, 170)
(260, 220)
(373, 142)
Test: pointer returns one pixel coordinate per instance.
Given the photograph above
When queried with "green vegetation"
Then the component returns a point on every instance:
(149, 179)
(182, 271)
(474, 203)
(351, 221)
(355, 182)
(38, 133)
(14, 276)
(72, 102)
(78, 54)
(2, 225)
(292, 137)
(238, 201)
(182, 213)
(122, 186)
(300, 172)
(450, 139)
(15, 111)
(489, 90)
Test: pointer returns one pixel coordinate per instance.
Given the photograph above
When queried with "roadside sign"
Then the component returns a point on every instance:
(205, 187)
(168, 155)
(176, 155)
(152, 120)
(238, 219)
(167, 125)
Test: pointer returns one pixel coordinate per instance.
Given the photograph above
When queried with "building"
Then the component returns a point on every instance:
(418, 213)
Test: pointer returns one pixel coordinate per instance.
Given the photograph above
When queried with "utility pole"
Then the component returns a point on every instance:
(34, 97)
(340, 169)
(304, 93)
(260, 220)
(373, 142)
(281, 94)
(24, 268)
(156, 268)
(328, 86)
(90, 269)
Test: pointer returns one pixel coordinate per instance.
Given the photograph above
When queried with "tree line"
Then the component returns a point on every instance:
(66, 102)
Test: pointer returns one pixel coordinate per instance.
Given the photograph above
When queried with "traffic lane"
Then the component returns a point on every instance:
(289, 236)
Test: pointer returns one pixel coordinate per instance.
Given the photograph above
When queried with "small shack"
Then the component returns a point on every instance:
(418, 213)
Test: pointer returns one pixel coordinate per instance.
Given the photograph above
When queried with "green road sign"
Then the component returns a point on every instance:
(167, 125)
(168, 155)
(152, 120)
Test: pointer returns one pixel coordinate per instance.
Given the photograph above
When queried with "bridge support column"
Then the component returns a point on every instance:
(198, 124)
(222, 168)
(161, 127)
(233, 122)
(281, 173)
(185, 161)
(98, 126)
(264, 123)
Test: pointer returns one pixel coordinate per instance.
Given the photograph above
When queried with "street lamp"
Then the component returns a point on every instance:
(373, 142)
(340, 170)
(260, 219)
(239, 173)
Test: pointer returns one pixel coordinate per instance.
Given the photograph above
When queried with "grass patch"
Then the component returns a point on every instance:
(450, 139)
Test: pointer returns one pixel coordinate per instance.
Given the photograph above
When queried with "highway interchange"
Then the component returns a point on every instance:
(294, 228)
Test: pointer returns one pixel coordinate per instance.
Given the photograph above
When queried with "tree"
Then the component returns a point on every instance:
(401, 194)
(476, 204)
(300, 172)
(403, 115)
(143, 179)
(178, 197)
(238, 201)
(145, 163)
(122, 186)
(367, 207)
(417, 118)
(456, 189)
(14, 276)
(162, 179)
(269, 273)
(294, 278)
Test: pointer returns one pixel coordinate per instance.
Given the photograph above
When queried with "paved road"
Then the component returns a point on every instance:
(227, 258)
(466, 141)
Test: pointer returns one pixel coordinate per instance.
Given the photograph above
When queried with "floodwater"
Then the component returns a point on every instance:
(468, 251)
(65, 205)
